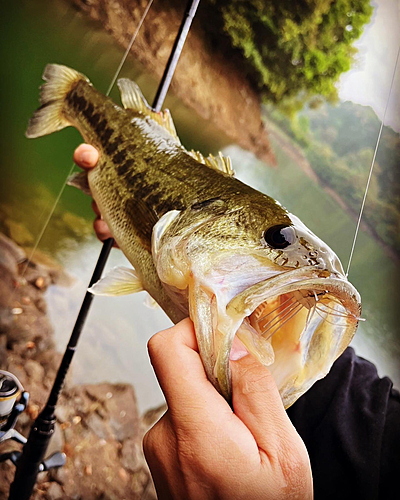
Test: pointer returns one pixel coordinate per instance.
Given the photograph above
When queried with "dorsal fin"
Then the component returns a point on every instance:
(220, 162)
(132, 98)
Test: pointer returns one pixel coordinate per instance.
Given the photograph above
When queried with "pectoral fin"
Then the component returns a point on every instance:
(150, 302)
(119, 281)
(80, 181)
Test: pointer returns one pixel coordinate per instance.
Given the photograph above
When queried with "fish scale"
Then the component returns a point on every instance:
(201, 242)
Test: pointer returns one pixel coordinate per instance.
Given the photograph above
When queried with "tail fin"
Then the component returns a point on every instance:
(49, 117)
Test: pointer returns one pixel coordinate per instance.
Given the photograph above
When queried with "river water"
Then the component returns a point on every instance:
(113, 344)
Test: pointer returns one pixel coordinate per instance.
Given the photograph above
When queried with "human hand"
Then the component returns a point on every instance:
(200, 449)
(86, 157)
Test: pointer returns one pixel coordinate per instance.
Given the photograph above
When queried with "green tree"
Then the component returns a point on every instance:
(293, 47)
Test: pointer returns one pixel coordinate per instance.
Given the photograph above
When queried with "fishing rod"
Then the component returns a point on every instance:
(31, 460)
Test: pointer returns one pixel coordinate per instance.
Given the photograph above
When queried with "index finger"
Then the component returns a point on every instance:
(181, 375)
(86, 156)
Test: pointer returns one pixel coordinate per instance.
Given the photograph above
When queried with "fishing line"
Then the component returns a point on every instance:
(114, 79)
(34, 451)
(128, 49)
(372, 166)
(50, 215)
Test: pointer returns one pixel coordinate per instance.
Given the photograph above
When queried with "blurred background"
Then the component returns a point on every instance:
(321, 70)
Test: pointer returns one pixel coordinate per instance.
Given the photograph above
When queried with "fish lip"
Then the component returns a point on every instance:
(245, 303)
(229, 318)
(310, 277)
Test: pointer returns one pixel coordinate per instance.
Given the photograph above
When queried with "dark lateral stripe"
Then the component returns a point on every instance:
(119, 157)
(138, 179)
(135, 208)
(106, 134)
(205, 203)
(78, 102)
(112, 146)
(89, 111)
(125, 167)
(94, 120)
(101, 127)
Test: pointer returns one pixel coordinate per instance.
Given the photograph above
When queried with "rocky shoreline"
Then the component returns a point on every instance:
(216, 88)
(98, 426)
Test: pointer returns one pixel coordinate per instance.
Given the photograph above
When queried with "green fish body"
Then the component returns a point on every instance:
(202, 243)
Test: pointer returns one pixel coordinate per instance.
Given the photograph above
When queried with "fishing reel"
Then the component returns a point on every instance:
(13, 401)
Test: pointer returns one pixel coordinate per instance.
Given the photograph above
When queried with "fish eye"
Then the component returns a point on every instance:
(280, 236)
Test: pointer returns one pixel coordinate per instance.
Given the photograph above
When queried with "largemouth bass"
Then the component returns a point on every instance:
(202, 243)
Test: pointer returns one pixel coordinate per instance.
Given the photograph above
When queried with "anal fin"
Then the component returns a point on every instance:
(119, 281)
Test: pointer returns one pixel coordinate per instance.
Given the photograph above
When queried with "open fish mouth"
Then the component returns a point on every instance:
(296, 323)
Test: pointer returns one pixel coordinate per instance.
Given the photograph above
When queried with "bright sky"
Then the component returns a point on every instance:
(368, 82)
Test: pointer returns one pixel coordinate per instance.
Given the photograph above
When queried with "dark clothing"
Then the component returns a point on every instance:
(350, 423)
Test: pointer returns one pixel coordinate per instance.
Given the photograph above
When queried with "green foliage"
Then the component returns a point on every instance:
(294, 47)
(296, 127)
(339, 145)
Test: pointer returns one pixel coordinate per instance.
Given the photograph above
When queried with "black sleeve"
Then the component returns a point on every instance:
(350, 423)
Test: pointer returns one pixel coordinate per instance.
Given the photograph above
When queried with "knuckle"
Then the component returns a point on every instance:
(295, 466)
(255, 379)
(149, 442)
(159, 342)
(153, 438)
(153, 346)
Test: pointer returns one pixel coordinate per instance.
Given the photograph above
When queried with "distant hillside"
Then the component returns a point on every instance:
(339, 141)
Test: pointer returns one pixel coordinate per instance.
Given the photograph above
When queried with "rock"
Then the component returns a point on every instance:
(34, 370)
(97, 425)
(132, 455)
(55, 492)
(88, 470)
(10, 254)
(52, 268)
(62, 413)
(6, 319)
(33, 411)
(59, 475)
(40, 283)
(40, 303)
(119, 403)
(56, 442)
(76, 420)
(98, 428)
(3, 350)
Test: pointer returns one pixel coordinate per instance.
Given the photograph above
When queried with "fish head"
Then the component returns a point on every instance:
(249, 268)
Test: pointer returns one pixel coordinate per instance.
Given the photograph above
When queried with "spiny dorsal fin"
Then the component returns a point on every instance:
(132, 98)
(220, 162)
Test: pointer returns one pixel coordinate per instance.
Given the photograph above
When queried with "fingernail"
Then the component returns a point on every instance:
(238, 353)
(87, 158)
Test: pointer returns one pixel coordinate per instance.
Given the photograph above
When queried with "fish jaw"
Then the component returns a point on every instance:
(313, 333)
(208, 284)
(241, 293)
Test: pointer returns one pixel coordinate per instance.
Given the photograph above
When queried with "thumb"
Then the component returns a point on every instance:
(257, 402)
